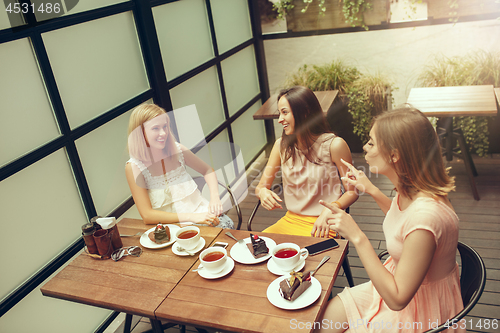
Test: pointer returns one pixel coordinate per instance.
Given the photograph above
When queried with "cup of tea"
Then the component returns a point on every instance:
(188, 237)
(287, 255)
(213, 259)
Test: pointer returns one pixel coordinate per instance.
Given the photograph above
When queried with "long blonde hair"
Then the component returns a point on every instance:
(420, 166)
(137, 145)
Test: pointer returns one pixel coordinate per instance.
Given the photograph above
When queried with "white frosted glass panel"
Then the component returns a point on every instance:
(103, 153)
(45, 10)
(232, 23)
(240, 78)
(27, 115)
(184, 35)
(98, 65)
(51, 315)
(9, 20)
(39, 205)
(202, 91)
(249, 134)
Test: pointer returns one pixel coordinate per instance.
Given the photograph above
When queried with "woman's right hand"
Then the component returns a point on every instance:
(207, 218)
(269, 199)
(358, 179)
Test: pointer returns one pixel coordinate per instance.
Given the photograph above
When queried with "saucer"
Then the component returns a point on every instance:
(197, 248)
(275, 269)
(204, 273)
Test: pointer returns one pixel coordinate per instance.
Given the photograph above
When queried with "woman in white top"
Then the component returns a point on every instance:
(156, 173)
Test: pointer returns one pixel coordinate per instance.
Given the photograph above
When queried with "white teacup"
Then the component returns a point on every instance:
(191, 242)
(288, 255)
(212, 260)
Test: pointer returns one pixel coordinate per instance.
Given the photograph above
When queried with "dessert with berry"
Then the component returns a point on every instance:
(258, 247)
(160, 235)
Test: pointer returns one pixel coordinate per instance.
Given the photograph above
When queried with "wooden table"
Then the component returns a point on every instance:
(238, 301)
(269, 110)
(132, 285)
(449, 102)
(161, 286)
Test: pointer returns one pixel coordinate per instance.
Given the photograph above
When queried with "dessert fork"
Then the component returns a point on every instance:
(137, 234)
(325, 259)
(184, 250)
(241, 241)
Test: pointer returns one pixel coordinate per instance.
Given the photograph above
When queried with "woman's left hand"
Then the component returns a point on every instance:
(215, 206)
(338, 220)
(321, 227)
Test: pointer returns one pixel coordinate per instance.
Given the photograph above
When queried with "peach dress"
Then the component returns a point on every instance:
(437, 299)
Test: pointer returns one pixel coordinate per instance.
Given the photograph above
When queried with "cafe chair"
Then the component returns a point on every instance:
(227, 196)
(345, 264)
(472, 282)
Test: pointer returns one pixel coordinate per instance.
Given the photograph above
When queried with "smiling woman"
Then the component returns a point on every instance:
(309, 156)
(156, 173)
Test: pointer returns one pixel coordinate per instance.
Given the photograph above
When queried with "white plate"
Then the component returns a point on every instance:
(197, 248)
(307, 298)
(148, 243)
(242, 254)
(275, 269)
(204, 273)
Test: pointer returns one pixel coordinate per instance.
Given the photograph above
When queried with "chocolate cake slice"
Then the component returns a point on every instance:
(160, 235)
(258, 247)
(292, 288)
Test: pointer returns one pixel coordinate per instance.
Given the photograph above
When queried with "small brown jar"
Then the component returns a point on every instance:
(87, 232)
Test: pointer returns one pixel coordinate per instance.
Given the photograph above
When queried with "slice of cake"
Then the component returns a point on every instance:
(258, 247)
(292, 288)
(160, 235)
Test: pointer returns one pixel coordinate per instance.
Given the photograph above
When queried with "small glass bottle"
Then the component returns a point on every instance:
(87, 232)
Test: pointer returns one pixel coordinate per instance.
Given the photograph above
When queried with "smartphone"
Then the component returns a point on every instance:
(220, 244)
(323, 246)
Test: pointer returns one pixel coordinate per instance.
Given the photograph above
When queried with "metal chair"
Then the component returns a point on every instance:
(472, 282)
(345, 263)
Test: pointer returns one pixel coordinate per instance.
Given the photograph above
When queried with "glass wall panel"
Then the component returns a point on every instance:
(202, 91)
(103, 153)
(240, 78)
(97, 65)
(49, 315)
(232, 23)
(27, 117)
(184, 35)
(9, 19)
(249, 134)
(42, 214)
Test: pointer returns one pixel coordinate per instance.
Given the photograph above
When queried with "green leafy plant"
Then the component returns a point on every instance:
(479, 68)
(367, 98)
(353, 12)
(282, 8)
(365, 95)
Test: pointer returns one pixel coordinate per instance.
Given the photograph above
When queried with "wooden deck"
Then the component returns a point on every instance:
(479, 227)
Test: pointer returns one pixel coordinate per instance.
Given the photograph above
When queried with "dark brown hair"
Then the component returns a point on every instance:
(310, 122)
(420, 166)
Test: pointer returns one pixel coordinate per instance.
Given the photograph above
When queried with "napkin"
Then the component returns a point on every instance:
(106, 222)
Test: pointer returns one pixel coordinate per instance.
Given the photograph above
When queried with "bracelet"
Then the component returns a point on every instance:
(338, 204)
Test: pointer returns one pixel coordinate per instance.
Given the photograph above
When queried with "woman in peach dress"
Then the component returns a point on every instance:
(418, 286)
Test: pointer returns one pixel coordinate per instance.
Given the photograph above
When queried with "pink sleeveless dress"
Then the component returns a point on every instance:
(437, 299)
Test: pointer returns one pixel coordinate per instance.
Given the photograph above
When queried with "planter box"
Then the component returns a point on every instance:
(334, 16)
(439, 9)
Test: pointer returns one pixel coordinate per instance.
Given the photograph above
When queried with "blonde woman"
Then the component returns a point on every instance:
(418, 287)
(156, 173)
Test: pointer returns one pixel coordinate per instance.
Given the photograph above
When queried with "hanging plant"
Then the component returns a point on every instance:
(353, 12)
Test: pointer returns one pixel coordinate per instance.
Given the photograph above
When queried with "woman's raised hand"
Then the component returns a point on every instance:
(357, 178)
(338, 220)
(269, 199)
